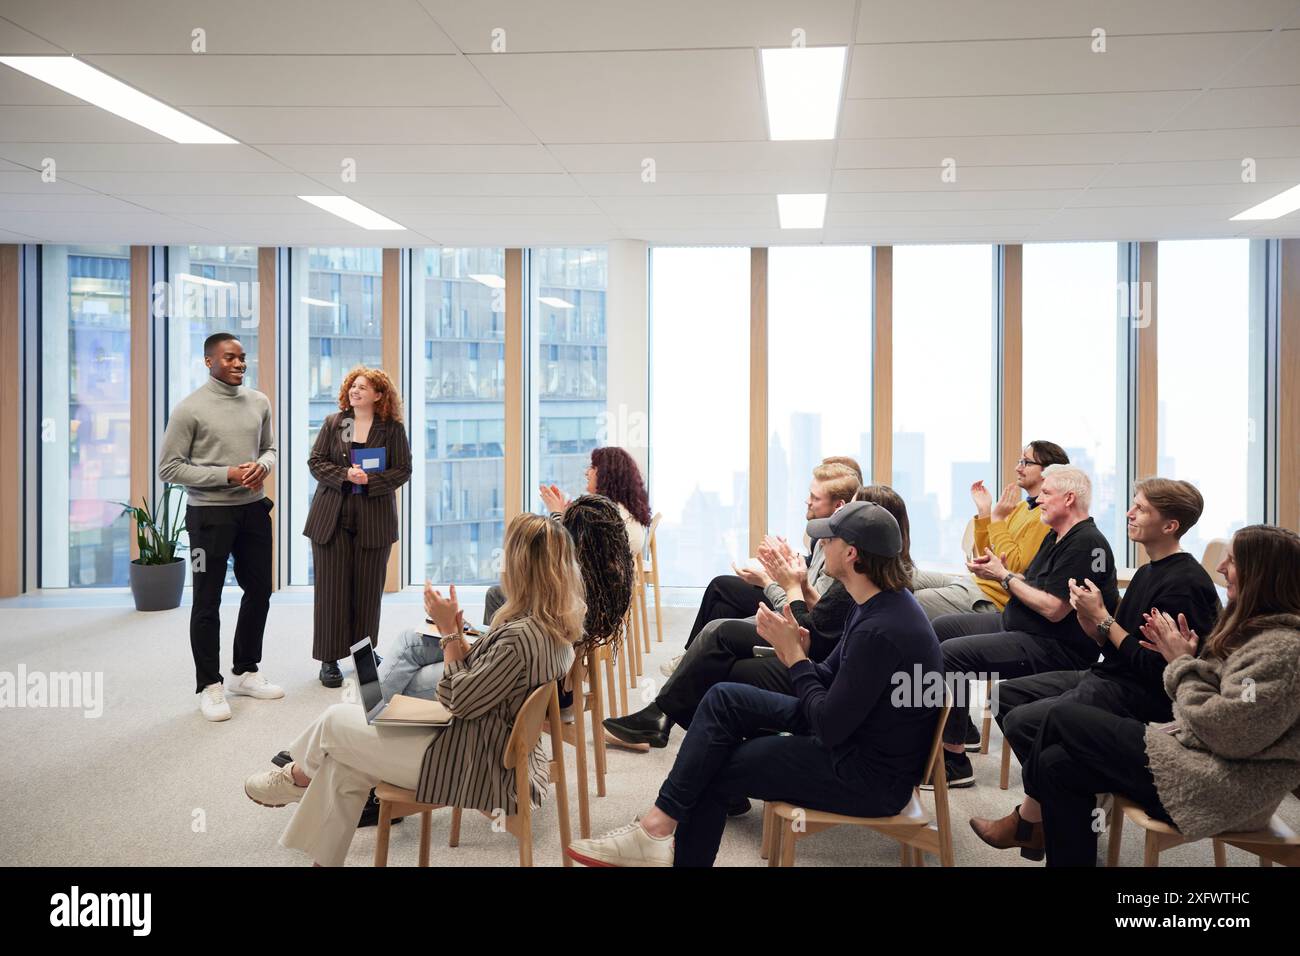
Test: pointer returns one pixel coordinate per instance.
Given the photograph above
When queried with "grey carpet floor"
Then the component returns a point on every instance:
(150, 782)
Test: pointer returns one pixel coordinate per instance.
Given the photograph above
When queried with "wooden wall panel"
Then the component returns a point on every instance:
(1148, 409)
(267, 365)
(391, 350)
(515, 399)
(1012, 360)
(1288, 471)
(142, 460)
(757, 397)
(11, 410)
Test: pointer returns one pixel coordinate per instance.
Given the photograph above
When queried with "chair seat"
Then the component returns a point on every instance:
(386, 791)
(1277, 833)
(911, 815)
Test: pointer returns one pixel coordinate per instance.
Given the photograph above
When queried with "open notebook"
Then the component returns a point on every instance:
(413, 711)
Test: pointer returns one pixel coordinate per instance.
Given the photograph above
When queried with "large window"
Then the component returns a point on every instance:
(1210, 350)
(457, 414)
(85, 426)
(1073, 381)
(568, 323)
(699, 410)
(336, 323)
(943, 391)
(819, 371)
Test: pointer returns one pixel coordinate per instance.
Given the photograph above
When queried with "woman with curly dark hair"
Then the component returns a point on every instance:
(614, 474)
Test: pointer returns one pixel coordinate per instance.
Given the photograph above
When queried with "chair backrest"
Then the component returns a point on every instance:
(934, 765)
(1215, 549)
(968, 539)
(650, 535)
(528, 727)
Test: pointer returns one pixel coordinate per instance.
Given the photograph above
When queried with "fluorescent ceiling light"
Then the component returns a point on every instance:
(1279, 205)
(801, 210)
(802, 88)
(203, 280)
(325, 303)
(83, 81)
(491, 281)
(352, 211)
(554, 303)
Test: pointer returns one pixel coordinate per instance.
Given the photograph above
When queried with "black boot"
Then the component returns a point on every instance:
(330, 675)
(370, 813)
(649, 726)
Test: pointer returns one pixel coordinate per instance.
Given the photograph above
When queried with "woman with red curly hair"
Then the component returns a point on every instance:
(360, 458)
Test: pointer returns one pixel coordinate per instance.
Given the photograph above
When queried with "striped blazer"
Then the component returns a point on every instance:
(329, 461)
(463, 765)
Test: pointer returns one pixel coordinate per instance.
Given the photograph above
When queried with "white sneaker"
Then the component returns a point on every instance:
(212, 701)
(626, 846)
(253, 684)
(667, 668)
(274, 788)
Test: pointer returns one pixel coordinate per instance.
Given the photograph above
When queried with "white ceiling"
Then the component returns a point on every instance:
(544, 143)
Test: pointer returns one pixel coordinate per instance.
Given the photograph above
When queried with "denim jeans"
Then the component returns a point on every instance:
(413, 666)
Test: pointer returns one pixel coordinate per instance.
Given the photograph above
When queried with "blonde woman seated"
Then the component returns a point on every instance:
(339, 758)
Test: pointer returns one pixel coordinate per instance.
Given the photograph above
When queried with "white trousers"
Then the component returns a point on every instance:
(345, 758)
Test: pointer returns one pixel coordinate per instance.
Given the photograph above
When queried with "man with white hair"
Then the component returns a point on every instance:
(1039, 630)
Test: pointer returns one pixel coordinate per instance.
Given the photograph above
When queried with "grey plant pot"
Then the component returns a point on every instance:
(157, 587)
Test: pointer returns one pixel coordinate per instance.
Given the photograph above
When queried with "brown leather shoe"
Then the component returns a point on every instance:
(1011, 831)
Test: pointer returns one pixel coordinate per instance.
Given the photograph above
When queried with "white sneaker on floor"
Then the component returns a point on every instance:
(253, 684)
(274, 788)
(668, 667)
(212, 701)
(626, 846)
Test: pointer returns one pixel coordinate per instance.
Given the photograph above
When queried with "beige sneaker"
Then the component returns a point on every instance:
(253, 684)
(212, 702)
(274, 788)
(668, 667)
(626, 846)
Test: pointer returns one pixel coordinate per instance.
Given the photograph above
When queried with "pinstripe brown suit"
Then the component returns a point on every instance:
(350, 565)
(463, 765)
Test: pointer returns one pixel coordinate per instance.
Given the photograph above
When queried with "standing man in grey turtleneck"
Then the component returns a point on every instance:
(220, 446)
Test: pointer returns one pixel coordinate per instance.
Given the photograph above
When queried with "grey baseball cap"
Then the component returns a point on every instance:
(865, 525)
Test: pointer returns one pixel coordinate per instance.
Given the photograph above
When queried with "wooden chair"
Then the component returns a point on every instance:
(541, 706)
(1215, 549)
(916, 831)
(968, 540)
(1275, 843)
(585, 679)
(650, 575)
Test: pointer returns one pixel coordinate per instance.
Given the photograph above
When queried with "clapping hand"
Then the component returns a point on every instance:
(758, 577)
(1170, 639)
(444, 612)
(983, 500)
(783, 632)
(553, 499)
(1088, 603)
(784, 567)
(1007, 502)
(988, 566)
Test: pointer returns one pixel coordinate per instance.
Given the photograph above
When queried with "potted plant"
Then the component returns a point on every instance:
(158, 575)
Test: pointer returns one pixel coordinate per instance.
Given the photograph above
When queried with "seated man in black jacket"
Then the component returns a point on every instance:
(1128, 681)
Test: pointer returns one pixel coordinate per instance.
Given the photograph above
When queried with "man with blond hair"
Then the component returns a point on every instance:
(1039, 630)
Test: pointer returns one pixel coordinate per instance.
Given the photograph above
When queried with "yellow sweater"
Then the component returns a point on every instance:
(1018, 537)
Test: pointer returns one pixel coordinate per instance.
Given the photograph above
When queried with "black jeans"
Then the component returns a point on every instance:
(719, 651)
(723, 759)
(217, 532)
(1025, 701)
(1082, 751)
(975, 644)
(727, 596)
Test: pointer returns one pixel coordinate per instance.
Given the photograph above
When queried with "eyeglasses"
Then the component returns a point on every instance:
(1026, 462)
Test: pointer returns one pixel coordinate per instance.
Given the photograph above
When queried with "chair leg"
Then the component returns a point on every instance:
(1220, 853)
(611, 684)
(558, 777)
(426, 834)
(765, 844)
(907, 855)
(788, 837)
(1116, 824)
(645, 616)
(580, 748)
(1151, 851)
(986, 726)
(634, 662)
(454, 838)
(1004, 778)
(918, 858)
(623, 667)
(774, 841)
(659, 616)
(382, 834)
(597, 727)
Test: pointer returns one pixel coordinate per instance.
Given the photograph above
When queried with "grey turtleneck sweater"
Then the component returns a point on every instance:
(214, 428)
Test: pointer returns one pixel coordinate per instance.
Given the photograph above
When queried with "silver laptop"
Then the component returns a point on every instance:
(372, 695)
